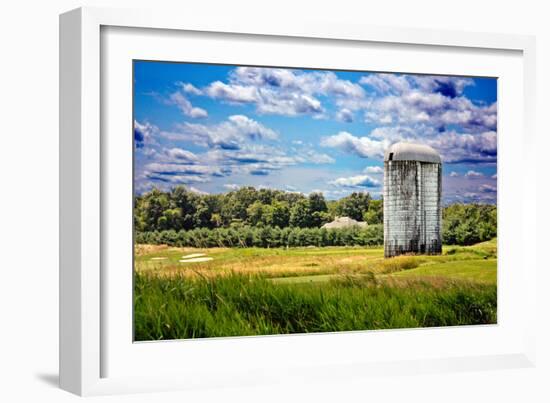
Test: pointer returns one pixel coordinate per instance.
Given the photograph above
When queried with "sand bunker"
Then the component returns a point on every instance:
(192, 255)
(196, 259)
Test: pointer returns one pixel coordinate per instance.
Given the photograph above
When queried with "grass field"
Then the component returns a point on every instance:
(251, 291)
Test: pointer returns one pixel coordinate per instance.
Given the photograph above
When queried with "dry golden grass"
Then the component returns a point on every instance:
(268, 265)
(143, 250)
(163, 261)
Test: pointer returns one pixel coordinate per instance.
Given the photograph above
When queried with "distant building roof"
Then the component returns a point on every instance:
(411, 152)
(344, 222)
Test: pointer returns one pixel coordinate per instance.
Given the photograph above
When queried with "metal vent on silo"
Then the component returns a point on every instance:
(412, 200)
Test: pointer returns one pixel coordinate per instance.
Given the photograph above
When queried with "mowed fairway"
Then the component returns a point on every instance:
(190, 292)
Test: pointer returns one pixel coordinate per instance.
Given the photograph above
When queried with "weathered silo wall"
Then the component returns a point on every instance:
(412, 200)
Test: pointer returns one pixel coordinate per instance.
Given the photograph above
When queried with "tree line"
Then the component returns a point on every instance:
(265, 237)
(180, 209)
(467, 224)
(273, 218)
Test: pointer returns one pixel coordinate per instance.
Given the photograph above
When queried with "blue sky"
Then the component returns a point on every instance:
(214, 128)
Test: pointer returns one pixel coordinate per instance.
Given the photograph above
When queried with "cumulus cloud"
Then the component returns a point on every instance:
(454, 147)
(448, 86)
(185, 106)
(229, 134)
(390, 83)
(345, 115)
(494, 176)
(182, 156)
(387, 83)
(291, 104)
(466, 148)
(364, 147)
(144, 133)
(434, 109)
(231, 186)
(473, 174)
(487, 188)
(374, 170)
(248, 159)
(358, 181)
(435, 100)
(189, 88)
(310, 82)
(284, 91)
(232, 92)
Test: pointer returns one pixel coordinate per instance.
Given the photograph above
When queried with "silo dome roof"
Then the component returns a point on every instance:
(411, 152)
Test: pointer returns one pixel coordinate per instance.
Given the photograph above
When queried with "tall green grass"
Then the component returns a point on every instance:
(239, 305)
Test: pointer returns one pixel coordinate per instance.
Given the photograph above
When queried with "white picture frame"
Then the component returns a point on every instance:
(86, 316)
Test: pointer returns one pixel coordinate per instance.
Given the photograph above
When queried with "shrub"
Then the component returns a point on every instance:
(467, 224)
(265, 237)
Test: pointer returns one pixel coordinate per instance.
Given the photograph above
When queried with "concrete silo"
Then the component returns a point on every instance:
(412, 200)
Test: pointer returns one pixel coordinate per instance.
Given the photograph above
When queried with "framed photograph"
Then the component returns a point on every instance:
(237, 198)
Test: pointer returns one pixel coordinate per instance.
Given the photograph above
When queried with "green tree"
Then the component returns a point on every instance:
(300, 214)
(256, 213)
(280, 214)
(354, 205)
(184, 200)
(216, 220)
(317, 209)
(375, 212)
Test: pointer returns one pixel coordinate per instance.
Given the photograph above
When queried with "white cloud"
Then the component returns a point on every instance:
(190, 88)
(196, 190)
(144, 133)
(183, 104)
(158, 168)
(259, 159)
(453, 174)
(182, 156)
(362, 146)
(454, 147)
(487, 188)
(345, 115)
(434, 109)
(374, 170)
(284, 91)
(251, 128)
(315, 82)
(494, 176)
(470, 148)
(359, 181)
(232, 93)
(176, 179)
(229, 134)
(473, 174)
(403, 83)
(386, 83)
(291, 104)
(314, 157)
(231, 186)
(435, 100)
